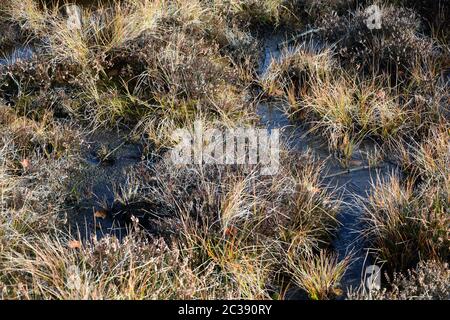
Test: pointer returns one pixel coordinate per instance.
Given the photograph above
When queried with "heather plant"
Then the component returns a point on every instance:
(394, 47)
(347, 108)
(92, 206)
(429, 280)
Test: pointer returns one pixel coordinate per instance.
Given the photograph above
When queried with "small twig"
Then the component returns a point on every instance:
(350, 170)
(287, 42)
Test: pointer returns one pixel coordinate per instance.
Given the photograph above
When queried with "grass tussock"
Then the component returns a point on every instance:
(298, 66)
(262, 14)
(36, 160)
(319, 275)
(408, 224)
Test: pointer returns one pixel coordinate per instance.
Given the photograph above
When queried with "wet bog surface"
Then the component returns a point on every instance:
(12, 55)
(353, 183)
(356, 186)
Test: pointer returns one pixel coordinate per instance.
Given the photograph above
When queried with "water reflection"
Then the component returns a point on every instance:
(12, 55)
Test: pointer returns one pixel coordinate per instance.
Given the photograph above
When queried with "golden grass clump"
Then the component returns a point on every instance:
(319, 275)
(347, 108)
(293, 72)
(36, 160)
(240, 223)
(415, 212)
(407, 224)
(262, 13)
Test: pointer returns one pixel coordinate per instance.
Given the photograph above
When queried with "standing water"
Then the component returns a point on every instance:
(13, 55)
(354, 182)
